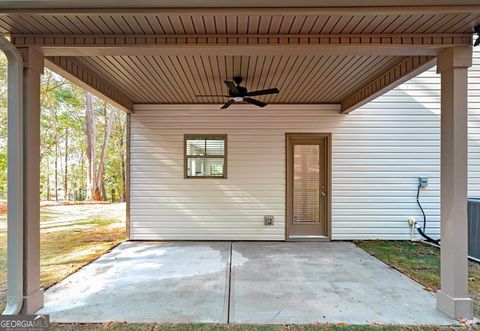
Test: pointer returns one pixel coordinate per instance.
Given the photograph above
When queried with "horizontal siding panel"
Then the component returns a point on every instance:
(159, 219)
(357, 194)
(352, 235)
(145, 207)
(345, 227)
(308, 128)
(358, 220)
(212, 229)
(383, 205)
(205, 212)
(198, 193)
(387, 212)
(343, 200)
(368, 231)
(378, 151)
(391, 162)
(259, 179)
(207, 236)
(338, 188)
(406, 154)
(208, 199)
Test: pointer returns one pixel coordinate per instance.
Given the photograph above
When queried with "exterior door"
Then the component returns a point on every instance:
(307, 186)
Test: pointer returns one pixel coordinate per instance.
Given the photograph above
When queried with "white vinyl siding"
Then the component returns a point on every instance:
(377, 154)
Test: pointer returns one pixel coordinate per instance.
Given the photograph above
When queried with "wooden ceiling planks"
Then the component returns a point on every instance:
(173, 77)
(236, 24)
(177, 79)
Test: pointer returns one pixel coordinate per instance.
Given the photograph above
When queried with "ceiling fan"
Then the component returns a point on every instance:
(238, 93)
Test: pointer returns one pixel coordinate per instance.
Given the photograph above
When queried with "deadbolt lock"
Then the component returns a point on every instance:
(323, 193)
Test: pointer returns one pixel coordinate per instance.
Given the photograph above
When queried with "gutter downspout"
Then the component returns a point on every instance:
(15, 179)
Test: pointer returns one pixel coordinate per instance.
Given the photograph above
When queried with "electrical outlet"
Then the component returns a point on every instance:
(268, 219)
(423, 182)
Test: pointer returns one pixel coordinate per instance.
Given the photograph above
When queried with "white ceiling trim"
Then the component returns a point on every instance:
(323, 107)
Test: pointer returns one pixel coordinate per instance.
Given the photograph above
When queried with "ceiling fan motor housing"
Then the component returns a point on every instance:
(238, 80)
(238, 93)
(242, 91)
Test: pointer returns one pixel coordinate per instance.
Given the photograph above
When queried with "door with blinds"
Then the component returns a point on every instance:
(307, 186)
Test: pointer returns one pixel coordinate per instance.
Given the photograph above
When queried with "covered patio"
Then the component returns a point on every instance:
(321, 55)
(241, 282)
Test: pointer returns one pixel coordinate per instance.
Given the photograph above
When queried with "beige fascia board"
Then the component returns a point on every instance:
(391, 78)
(251, 44)
(240, 7)
(99, 87)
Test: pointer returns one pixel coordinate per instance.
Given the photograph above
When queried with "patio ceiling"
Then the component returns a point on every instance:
(314, 53)
(211, 22)
(177, 79)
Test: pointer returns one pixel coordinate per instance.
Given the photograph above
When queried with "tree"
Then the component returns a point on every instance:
(91, 144)
(123, 162)
(82, 142)
(100, 183)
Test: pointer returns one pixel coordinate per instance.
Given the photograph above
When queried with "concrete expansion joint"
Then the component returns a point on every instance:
(249, 283)
(229, 291)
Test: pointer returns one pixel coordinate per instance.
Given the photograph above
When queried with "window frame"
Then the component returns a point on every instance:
(189, 136)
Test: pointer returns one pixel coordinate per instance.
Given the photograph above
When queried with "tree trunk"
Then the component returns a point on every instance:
(82, 177)
(101, 166)
(122, 161)
(48, 180)
(65, 178)
(122, 172)
(91, 145)
(56, 166)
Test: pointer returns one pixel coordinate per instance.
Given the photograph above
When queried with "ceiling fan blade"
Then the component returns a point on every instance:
(228, 104)
(232, 87)
(263, 92)
(211, 95)
(255, 102)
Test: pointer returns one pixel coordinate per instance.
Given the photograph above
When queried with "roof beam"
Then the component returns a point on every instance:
(99, 87)
(242, 44)
(393, 77)
(238, 8)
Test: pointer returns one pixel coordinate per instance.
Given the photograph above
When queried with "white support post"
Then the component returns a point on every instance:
(15, 179)
(452, 298)
(33, 69)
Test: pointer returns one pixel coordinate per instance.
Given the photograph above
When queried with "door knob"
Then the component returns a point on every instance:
(323, 194)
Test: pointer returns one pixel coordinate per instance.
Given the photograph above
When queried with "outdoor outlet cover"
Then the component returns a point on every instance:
(268, 220)
(423, 182)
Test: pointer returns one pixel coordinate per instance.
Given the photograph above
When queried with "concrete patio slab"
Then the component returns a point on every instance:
(323, 282)
(271, 282)
(147, 282)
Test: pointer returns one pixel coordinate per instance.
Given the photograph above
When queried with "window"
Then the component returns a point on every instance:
(205, 156)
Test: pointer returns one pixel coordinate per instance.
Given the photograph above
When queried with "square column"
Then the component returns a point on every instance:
(452, 298)
(33, 69)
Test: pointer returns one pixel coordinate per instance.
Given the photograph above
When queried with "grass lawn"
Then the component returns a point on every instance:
(71, 237)
(420, 262)
(232, 327)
